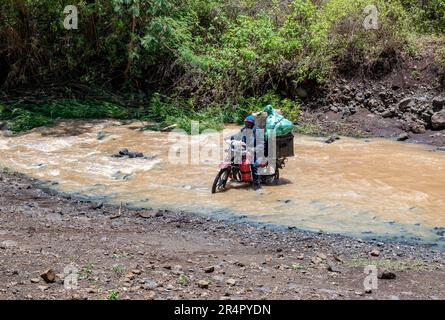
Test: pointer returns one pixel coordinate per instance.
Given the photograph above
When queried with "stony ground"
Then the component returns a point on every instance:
(404, 100)
(130, 254)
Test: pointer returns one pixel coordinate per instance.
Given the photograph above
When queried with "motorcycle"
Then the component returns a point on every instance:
(237, 172)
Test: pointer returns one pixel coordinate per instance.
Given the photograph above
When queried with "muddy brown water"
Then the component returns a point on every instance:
(365, 188)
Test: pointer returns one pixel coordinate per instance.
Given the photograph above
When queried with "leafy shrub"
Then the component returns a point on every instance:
(26, 120)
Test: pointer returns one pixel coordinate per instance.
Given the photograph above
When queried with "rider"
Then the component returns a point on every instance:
(248, 135)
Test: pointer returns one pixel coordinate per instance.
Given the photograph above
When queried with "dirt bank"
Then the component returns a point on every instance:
(401, 95)
(131, 254)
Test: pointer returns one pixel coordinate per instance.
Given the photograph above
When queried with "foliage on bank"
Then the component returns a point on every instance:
(227, 57)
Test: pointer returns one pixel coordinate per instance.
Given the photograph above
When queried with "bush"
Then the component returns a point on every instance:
(169, 111)
(202, 53)
(25, 120)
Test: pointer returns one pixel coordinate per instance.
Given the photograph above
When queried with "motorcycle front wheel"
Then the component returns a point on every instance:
(220, 181)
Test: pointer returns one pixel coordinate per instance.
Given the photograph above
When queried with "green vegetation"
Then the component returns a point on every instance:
(183, 280)
(118, 269)
(174, 61)
(113, 295)
(30, 115)
(297, 266)
(308, 129)
(86, 271)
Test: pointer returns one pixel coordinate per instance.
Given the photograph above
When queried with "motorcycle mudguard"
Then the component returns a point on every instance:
(224, 165)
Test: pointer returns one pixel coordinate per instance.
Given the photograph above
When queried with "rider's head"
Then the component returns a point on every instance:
(249, 122)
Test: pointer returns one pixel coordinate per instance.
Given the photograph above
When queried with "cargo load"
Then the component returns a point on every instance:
(277, 122)
(285, 146)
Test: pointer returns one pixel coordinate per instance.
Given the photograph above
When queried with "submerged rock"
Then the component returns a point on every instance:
(403, 136)
(332, 138)
(126, 153)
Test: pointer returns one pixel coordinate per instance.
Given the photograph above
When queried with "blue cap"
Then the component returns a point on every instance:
(250, 119)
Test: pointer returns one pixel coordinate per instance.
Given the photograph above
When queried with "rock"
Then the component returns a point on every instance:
(368, 290)
(43, 288)
(360, 97)
(416, 127)
(403, 136)
(121, 176)
(101, 135)
(332, 138)
(338, 259)
(209, 269)
(231, 282)
(135, 155)
(177, 270)
(91, 290)
(136, 271)
(375, 253)
(316, 260)
(49, 276)
(388, 113)
(203, 284)
(301, 92)
(372, 104)
(150, 284)
(98, 205)
(322, 256)
(438, 120)
(35, 280)
(125, 153)
(387, 275)
(147, 214)
(240, 264)
(406, 104)
(150, 295)
(333, 268)
(438, 103)
(8, 244)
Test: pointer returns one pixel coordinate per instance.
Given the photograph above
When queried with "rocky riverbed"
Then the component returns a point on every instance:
(119, 253)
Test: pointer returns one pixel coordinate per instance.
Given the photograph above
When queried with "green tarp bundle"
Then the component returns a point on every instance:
(276, 122)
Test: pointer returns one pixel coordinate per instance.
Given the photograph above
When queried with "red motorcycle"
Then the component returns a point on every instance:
(242, 172)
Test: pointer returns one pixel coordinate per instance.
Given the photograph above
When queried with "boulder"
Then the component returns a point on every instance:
(438, 103)
(438, 120)
(416, 127)
(406, 104)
